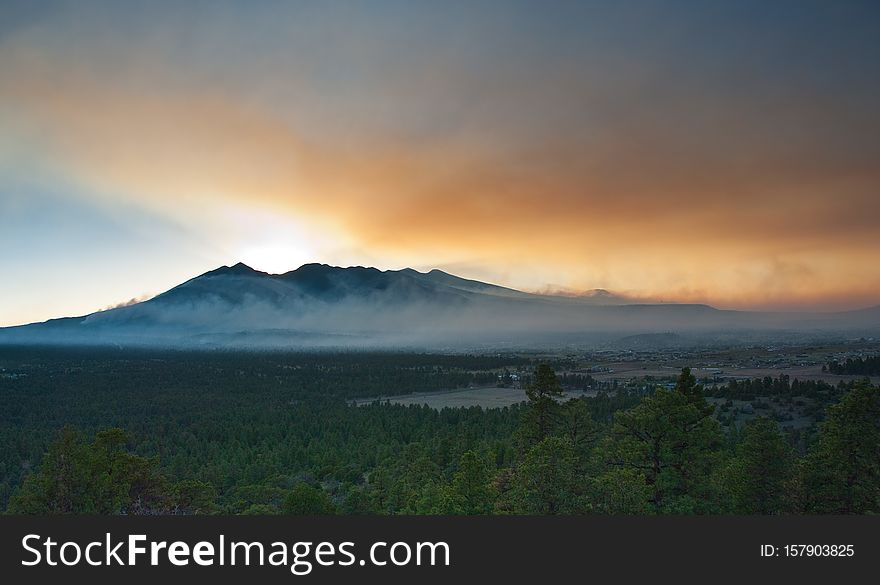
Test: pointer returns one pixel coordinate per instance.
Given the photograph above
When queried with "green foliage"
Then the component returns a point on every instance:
(306, 500)
(760, 477)
(579, 427)
(97, 478)
(621, 490)
(782, 387)
(256, 499)
(407, 484)
(260, 510)
(842, 470)
(193, 496)
(686, 385)
(869, 366)
(547, 481)
(271, 433)
(470, 492)
(542, 413)
(672, 440)
(252, 424)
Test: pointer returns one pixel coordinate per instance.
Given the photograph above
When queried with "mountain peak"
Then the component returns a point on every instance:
(239, 269)
(322, 305)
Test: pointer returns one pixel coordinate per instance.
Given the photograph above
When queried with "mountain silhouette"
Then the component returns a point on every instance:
(318, 305)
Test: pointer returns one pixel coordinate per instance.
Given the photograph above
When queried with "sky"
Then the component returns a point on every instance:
(683, 151)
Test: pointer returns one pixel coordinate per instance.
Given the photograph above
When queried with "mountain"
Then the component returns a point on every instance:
(321, 285)
(320, 305)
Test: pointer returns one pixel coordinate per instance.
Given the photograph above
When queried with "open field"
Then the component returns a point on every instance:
(592, 371)
(797, 361)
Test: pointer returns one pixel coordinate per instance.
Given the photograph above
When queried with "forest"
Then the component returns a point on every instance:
(859, 366)
(147, 432)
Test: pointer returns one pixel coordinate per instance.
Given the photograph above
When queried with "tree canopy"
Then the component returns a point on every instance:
(278, 435)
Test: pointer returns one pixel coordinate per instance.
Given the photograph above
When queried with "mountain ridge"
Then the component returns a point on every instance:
(319, 304)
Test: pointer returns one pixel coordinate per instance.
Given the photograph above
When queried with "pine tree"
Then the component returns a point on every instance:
(470, 492)
(546, 481)
(670, 438)
(842, 470)
(543, 410)
(305, 500)
(101, 477)
(759, 476)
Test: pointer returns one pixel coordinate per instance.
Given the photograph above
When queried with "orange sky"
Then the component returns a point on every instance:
(515, 155)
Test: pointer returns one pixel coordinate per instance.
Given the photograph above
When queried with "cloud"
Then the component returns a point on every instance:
(536, 159)
(129, 302)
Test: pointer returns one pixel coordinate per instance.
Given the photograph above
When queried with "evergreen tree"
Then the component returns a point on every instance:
(470, 492)
(546, 481)
(672, 440)
(842, 470)
(543, 409)
(578, 426)
(621, 490)
(102, 477)
(192, 496)
(305, 500)
(759, 477)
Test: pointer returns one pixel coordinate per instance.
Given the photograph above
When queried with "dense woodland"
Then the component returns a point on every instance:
(869, 366)
(128, 432)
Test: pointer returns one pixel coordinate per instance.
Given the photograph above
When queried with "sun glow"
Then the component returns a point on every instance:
(275, 259)
(271, 242)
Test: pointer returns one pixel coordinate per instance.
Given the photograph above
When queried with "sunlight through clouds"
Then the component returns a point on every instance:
(528, 144)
